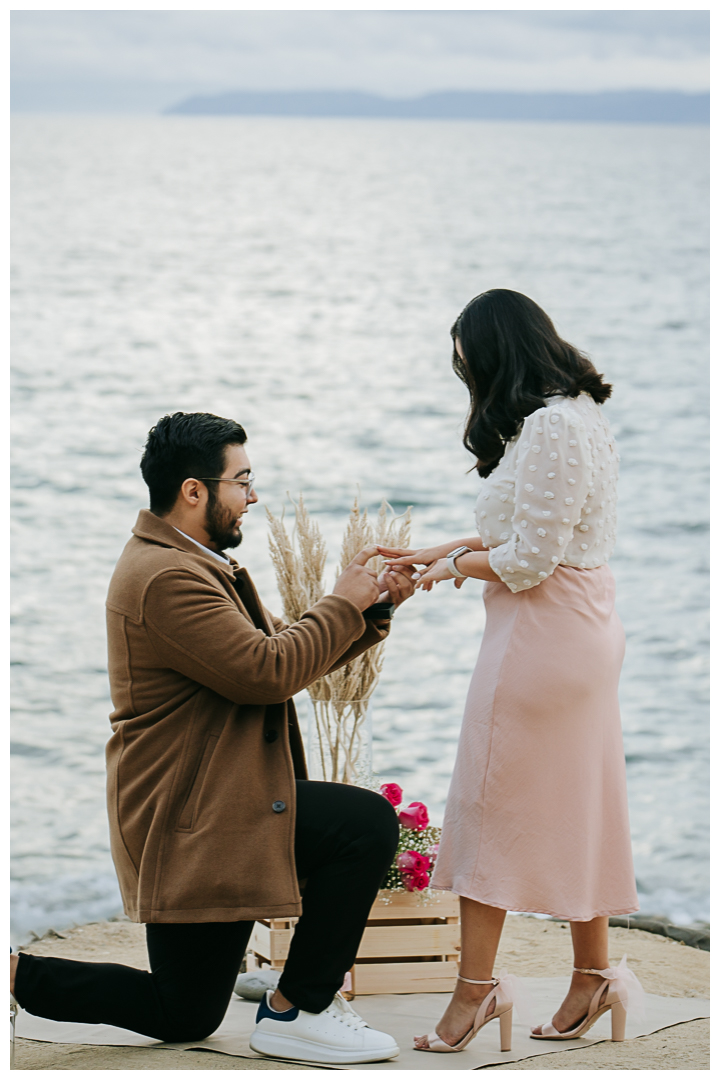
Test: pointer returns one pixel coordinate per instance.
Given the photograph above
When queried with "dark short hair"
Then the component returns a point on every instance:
(183, 445)
(514, 360)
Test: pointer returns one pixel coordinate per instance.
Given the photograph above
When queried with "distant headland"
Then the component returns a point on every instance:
(610, 106)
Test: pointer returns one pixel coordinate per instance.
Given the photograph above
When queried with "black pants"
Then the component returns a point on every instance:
(345, 840)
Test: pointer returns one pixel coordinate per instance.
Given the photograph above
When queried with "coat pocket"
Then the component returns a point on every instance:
(187, 815)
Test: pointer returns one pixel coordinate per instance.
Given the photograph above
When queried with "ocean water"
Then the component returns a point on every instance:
(302, 276)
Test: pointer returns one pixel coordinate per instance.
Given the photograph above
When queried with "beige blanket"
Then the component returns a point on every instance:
(403, 1015)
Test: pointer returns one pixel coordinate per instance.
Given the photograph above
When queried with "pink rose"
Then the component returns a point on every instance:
(392, 792)
(415, 817)
(416, 882)
(412, 862)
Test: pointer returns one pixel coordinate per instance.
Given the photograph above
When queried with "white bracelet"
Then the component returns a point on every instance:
(452, 556)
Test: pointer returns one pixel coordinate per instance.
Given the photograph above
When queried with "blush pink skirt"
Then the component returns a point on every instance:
(537, 816)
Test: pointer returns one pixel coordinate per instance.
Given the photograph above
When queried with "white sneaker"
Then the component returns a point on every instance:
(336, 1036)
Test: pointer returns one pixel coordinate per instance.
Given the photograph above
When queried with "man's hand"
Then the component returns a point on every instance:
(357, 582)
(398, 584)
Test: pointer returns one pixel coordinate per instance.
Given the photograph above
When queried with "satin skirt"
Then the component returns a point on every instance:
(537, 815)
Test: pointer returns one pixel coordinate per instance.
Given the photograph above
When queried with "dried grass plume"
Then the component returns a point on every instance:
(339, 699)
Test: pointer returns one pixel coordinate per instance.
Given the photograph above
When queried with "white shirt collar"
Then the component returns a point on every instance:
(207, 550)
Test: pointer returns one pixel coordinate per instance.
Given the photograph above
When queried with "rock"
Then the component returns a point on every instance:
(252, 984)
(698, 939)
(696, 936)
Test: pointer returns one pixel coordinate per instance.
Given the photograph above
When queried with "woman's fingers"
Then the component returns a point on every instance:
(424, 580)
(436, 571)
(401, 568)
(395, 551)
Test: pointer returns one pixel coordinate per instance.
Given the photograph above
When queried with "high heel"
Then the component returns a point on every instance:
(505, 1029)
(621, 984)
(618, 1016)
(501, 994)
(13, 1015)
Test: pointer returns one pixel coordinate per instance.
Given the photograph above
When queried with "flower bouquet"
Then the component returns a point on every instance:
(417, 846)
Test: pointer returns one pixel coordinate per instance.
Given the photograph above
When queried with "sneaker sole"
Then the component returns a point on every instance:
(294, 1049)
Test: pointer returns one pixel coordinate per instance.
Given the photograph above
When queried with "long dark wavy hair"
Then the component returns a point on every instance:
(514, 360)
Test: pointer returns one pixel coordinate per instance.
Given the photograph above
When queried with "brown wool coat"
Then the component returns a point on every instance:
(205, 735)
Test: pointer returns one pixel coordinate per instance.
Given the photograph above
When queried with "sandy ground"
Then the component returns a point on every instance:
(531, 947)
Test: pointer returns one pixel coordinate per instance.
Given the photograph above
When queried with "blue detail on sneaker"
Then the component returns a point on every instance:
(265, 1010)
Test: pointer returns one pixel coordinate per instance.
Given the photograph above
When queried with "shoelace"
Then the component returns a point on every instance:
(343, 1011)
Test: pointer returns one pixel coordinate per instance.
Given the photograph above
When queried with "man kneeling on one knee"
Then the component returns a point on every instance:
(212, 820)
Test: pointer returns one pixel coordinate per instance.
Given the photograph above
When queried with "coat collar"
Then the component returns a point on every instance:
(158, 531)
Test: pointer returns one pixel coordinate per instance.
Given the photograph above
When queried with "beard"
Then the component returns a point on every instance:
(220, 524)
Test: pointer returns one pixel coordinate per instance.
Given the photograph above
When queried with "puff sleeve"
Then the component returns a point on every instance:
(552, 481)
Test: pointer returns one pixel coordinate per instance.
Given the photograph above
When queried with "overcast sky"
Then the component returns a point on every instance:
(146, 60)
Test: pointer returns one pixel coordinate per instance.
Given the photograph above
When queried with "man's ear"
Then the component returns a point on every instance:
(192, 493)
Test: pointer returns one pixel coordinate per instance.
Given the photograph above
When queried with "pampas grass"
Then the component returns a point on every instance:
(340, 699)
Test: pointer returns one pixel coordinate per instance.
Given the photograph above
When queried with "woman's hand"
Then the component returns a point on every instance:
(436, 571)
(433, 558)
(400, 557)
(476, 563)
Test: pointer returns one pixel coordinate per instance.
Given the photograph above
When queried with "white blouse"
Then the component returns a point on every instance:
(552, 499)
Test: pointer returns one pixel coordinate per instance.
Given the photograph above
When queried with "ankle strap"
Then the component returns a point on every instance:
(588, 971)
(479, 982)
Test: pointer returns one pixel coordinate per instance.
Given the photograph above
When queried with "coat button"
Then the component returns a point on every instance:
(271, 735)
(278, 806)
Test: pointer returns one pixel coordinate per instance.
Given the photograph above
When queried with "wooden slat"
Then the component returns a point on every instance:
(421, 978)
(271, 944)
(405, 905)
(402, 905)
(433, 940)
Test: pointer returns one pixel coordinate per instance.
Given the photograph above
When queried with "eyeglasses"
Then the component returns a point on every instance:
(247, 482)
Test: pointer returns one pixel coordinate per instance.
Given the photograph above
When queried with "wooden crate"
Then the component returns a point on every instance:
(411, 945)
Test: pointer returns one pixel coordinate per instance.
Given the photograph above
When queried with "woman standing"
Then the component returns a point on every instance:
(536, 817)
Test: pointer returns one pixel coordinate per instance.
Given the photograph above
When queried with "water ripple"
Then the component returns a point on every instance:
(302, 276)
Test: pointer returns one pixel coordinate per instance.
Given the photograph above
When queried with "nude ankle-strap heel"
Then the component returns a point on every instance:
(620, 984)
(501, 993)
